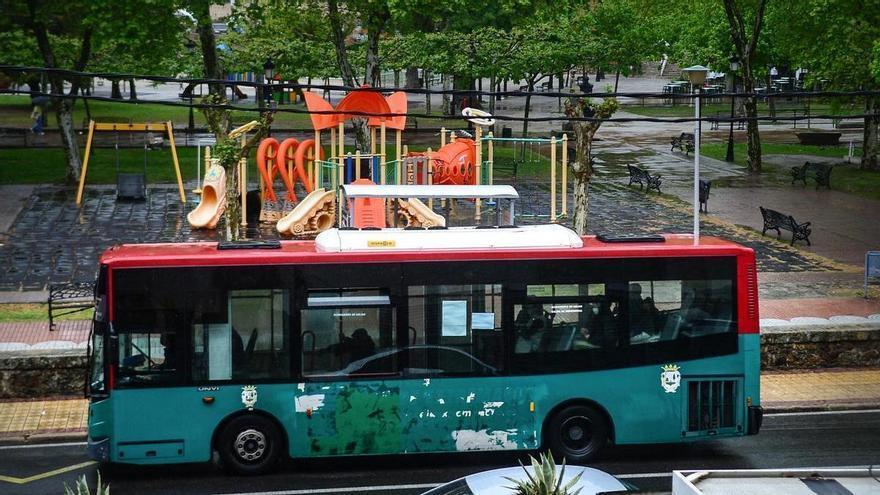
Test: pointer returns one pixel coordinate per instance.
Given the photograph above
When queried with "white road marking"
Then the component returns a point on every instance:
(41, 445)
(643, 475)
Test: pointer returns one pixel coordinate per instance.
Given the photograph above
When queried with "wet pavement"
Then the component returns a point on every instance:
(53, 241)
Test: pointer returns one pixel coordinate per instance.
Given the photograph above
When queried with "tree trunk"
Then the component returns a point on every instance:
(616, 80)
(412, 80)
(64, 114)
(581, 202)
(132, 90)
(396, 78)
(115, 90)
(532, 80)
(427, 76)
(447, 101)
(582, 173)
(754, 136)
(208, 43)
(342, 61)
(233, 204)
(871, 145)
(373, 74)
(750, 105)
(492, 95)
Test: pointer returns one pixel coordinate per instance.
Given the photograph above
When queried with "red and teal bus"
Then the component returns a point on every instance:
(442, 340)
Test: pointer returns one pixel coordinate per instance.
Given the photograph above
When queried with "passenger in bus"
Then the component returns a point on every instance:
(642, 313)
(360, 345)
(529, 325)
(168, 342)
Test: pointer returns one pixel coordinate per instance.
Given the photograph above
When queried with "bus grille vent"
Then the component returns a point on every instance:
(752, 292)
(711, 405)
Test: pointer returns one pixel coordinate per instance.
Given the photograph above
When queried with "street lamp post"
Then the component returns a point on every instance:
(734, 65)
(697, 77)
(269, 73)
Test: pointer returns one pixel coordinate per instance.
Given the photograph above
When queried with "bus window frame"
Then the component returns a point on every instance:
(348, 276)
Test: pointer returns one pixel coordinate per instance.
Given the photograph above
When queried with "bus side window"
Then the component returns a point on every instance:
(348, 332)
(455, 330)
(248, 342)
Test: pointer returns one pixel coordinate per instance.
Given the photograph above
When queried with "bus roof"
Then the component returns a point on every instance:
(306, 251)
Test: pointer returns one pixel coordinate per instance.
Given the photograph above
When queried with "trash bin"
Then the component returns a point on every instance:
(506, 132)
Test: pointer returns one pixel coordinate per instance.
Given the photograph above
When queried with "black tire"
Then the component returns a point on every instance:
(249, 445)
(577, 434)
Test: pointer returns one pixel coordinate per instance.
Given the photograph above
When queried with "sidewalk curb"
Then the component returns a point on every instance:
(821, 406)
(43, 438)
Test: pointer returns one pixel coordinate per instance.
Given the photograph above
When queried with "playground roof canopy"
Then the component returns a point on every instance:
(432, 191)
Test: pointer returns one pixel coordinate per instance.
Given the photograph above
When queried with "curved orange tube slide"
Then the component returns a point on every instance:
(286, 151)
(268, 151)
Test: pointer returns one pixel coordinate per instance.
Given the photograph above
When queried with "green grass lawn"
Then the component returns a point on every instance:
(845, 177)
(683, 110)
(47, 165)
(14, 313)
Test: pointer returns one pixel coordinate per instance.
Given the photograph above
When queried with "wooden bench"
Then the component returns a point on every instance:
(65, 299)
(685, 142)
(705, 186)
(643, 178)
(819, 172)
(773, 220)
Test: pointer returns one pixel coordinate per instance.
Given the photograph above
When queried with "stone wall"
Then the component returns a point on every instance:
(819, 346)
(43, 373)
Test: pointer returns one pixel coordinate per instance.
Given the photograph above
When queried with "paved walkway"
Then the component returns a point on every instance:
(69, 334)
(47, 418)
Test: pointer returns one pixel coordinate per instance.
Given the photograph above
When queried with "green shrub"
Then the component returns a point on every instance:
(543, 481)
(82, 487)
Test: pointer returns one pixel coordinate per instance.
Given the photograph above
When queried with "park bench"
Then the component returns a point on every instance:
(773, 220)
(705, 186)
(819, 172)
(685, 142)
(643, 178)
(65, 299)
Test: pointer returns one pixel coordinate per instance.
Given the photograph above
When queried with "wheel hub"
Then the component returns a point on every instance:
(577, 434)
(250, 445)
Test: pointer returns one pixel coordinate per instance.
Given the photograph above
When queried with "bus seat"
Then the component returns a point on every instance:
(252, 342)
(672, 326)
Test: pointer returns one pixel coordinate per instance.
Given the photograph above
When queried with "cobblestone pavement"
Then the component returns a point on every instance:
(52, 241)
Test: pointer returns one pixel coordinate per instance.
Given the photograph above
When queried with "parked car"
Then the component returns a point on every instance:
(498, 482)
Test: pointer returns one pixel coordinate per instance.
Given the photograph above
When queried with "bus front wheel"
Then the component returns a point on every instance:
(249, 445)
(577, 433)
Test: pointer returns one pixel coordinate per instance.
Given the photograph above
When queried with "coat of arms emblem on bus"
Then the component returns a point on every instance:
(670, 378)
(249, 396)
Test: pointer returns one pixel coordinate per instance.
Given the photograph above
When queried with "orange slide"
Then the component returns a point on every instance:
(275, 158)
(368, 212)
(268, 152)
(213, 203)
(454, 163)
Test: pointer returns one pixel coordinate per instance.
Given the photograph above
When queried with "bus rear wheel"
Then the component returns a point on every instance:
(577, 434)
(249, 445)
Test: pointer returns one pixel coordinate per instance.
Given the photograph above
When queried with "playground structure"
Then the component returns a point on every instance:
(213, 203)
(161, 127)
(460, 160)
(213, 195)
